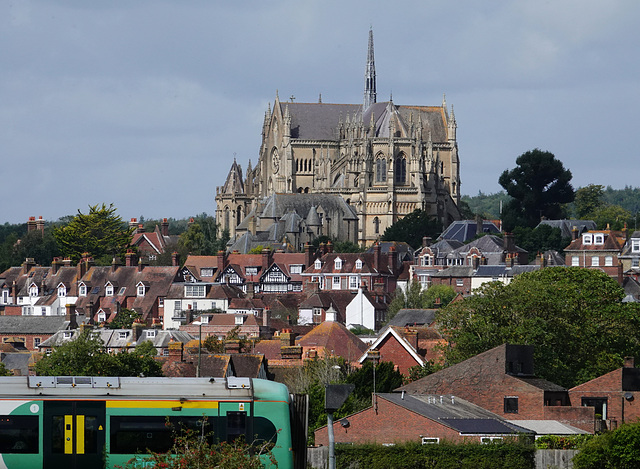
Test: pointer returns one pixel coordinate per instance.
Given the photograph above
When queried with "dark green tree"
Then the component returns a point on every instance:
(417, 298)
(100, 233)
(85, 356)
(412, 228)
(619, 449)
(201, 237)
(539, 186)
(574, 317)
(588, 199)
(124, 319)
(539, 239)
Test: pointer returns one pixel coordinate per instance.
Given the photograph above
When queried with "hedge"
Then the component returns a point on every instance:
(441, 456)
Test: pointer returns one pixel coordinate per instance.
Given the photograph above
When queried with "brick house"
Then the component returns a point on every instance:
(502, 381)
(152, 244)
(32, 331)
(630, 256)
(399, 418)
(457, 277)
(596, 250)
(613, 396)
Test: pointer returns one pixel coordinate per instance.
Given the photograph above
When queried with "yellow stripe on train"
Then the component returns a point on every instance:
(161, 404)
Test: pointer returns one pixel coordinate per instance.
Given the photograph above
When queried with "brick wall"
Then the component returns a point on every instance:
(392, 351)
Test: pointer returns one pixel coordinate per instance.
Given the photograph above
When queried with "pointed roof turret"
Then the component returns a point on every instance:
(234, 184)
(313, 219)
(370, 75)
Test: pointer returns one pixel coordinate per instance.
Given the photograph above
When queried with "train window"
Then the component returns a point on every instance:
(138, 434)
(264, 431)
(19, 434)
(236, 425)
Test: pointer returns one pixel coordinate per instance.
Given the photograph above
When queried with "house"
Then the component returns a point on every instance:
(570, 229)
(498, 273)
(313, 309)
(466, 230)
(428, 419)
(366, 310)
(458, 277)
(154, 243)
(249, 326)
(597, 250)
(32, 331)
(186, 299)
(331, 338)
(406, 347)
(502, 380)
(630, 256)
(612, 396)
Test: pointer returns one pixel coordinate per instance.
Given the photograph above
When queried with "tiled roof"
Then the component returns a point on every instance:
(32, 324)
(334, 338)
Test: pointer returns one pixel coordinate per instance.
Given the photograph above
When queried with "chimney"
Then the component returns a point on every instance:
(287, 338)
(426, 241)
(136, 329)
(165, 227)
(71, 316)
(14, 293)
(130, 258)
(620, 274)
(40, 225)
(115, 263)
(232, 346)
(55, 265)
(251, 290)
(629, 362)
(412, 337)
(31, 224)
(329, 246)
(479, 225)
(574, 233)
(266, 261)
(322, 249)
(140, 228)
(391, 259)
(376, 257)
(307, 255)
(140, 264)
(221, 261)
(175, 351)
(133, 224)
(27, 265)
(175, 259)
(509, 243)
(266, 317)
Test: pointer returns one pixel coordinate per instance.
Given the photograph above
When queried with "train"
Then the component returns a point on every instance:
(70, 422)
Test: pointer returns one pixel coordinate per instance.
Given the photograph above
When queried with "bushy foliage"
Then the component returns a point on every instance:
(562, 442)
(4, 371)
(619, 449)
(124, 319)
(85, 356)
(558, 310)
(420, 371)
(191, 450)
(441, 456)
(417, 298)
(540, 239)
(100, 233)
(201, 237)
(412, 228)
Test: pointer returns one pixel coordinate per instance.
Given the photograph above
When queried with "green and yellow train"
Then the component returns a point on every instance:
(86, 422)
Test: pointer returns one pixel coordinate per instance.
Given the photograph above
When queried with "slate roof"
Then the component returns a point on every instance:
(503, 270)
(566, 226)
(456, 413)
(466, 230)
(413, 317)
(17, 361)
(32, 324)
(454, 271)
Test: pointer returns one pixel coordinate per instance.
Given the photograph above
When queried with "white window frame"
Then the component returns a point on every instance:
(123, 335)
(206, 272)
(598, 238)
(487, 440)
(354, 282)
(141, 290)
(109, 290)
(595, 261)
(82, 290)
(335, 283)
(587, 238)
(195, 291)
(33, 290)
(62, 291)
(358, 264)
(608, 261)
(459, 282)
(635, 262)
(317, 264)
(102, 317)
(635, 245)
(151, 333)
(575, 261)
(337, 263)
(295, 268)
(429, 440)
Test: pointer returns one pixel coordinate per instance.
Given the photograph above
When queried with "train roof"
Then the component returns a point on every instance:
(91, 387)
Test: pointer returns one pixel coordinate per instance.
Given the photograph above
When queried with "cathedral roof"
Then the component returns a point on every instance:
(234, 184)
(312, 218)
(276, 205)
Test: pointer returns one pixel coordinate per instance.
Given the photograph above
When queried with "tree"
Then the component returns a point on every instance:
(100, 233)
(588, 199)
(124, 319)
(201, 238)
(4, 371)
(539, 186)
(612, 216)
(417, 298)
(85, 356)
(539, 239)
(558, 310)
(619, 449)
(412, 228)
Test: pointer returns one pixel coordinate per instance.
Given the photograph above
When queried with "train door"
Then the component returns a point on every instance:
(234, 421)
(74, 434)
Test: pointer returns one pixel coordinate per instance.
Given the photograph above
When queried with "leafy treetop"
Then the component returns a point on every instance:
(412, 228)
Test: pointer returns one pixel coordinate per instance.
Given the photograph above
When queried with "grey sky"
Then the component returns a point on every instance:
(144, 103)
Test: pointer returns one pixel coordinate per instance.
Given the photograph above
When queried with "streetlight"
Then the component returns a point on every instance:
(199, 324)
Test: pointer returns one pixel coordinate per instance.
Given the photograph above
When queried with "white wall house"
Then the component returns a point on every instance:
(362, 312)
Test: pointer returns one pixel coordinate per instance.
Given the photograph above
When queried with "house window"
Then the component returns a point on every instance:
(635, 245)
(459, 282)
(36, 342)
(598, 239)
(43, 311)
(102, 317)
(251, 270)
(337, 263)
(239, 320)
(108, 290)
(359, 264)
(194, 306)
(123, 335)
(353, 282)
(195, 291)
(5, 296)
(599, 403)
(608, 261)
(165, 352)
(587, 238)
(317, 264)
(595, 261)
(177, 305)
(141, 290)
(82, 290)
(67, 334)
(575, 261)
(62, 291)
(151, 333)
(487, 440)
(160, 302)
(427, 440)
(424, 281)
(511, 405)
(33, 291)
(122, 290)
(635, 262)
(336, 283)
(295, 268)
(206, 272)
(317, 311)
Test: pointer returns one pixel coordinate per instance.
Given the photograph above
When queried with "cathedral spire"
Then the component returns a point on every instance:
(370, 76)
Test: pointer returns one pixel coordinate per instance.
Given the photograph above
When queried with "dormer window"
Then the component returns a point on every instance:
(239, 320)
(317, 264)
(141, 289)
(62, 291)
(82, 289)
(108, 289)
(359, 264)
(635, 245)
(598, 239)
(151, 333)
(195, 291)
(67, 335)
(33, 290)
(587, 238)
(337, 263)
(122, 335)
(102, 316)
(206, 272)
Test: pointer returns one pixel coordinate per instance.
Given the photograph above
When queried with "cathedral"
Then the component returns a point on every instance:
(385, 160)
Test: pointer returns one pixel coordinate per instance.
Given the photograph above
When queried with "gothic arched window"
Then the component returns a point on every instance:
(376, 225)
(401, 170)
(381, 170)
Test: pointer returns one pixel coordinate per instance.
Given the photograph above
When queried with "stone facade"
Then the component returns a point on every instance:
(384, 159)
